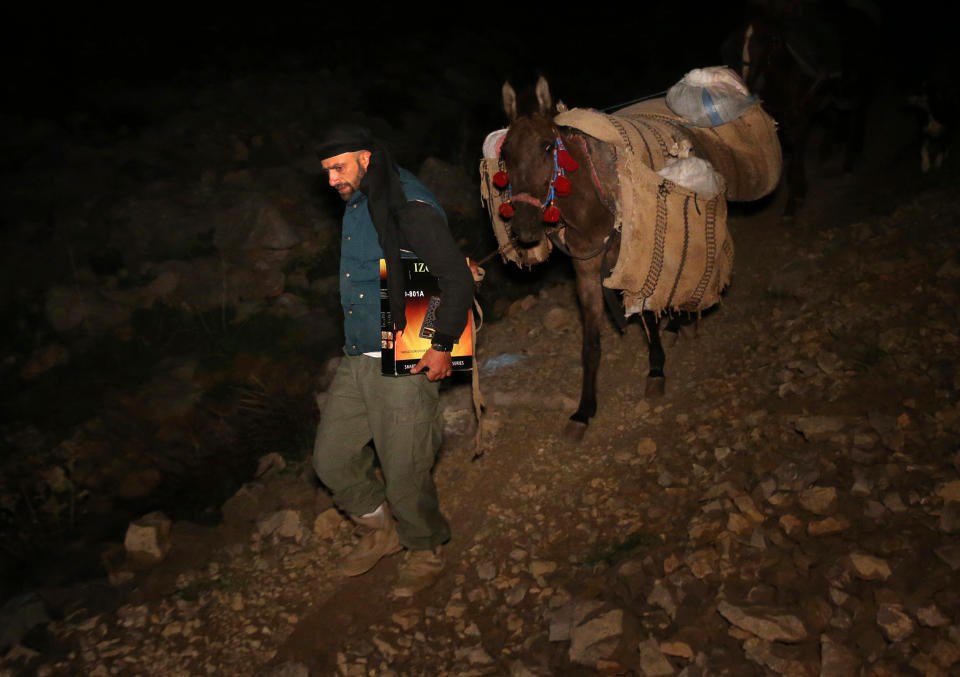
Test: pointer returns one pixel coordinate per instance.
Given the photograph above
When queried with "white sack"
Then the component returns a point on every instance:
(710, 97)
(693, 174)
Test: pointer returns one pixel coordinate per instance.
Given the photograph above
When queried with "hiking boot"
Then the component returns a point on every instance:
(380, 540)
(419, 570)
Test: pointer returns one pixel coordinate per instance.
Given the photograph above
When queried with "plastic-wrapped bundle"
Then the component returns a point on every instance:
(693, 174)
(710, 97)
(493, 142)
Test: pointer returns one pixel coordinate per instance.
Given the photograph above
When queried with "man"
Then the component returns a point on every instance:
(387, 209)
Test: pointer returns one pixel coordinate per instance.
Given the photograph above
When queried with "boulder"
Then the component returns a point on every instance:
(777, 658)
(819, 428)
(606, 640)
(772, 625)
(837, 660)
(869, 568)
(819, 500)
(895, 623)
(327, 523)
(283, 523)
(147, 540)
(269, 464)
(949, 491)
(653, 662)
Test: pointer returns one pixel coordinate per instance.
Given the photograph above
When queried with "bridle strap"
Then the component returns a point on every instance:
(554, 237)
(527, 198)
(550, 199)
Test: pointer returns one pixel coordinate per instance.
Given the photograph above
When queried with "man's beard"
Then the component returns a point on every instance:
(351, 187)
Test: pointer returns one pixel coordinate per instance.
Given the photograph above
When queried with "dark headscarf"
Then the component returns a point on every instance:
(385, 198)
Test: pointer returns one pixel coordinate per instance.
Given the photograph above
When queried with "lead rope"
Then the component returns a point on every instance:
(478, 402)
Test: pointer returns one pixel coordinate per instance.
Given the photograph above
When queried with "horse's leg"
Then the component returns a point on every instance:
(590, 294)
(656, 381)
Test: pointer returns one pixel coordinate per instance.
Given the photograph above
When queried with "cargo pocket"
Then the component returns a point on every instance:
(415, 423)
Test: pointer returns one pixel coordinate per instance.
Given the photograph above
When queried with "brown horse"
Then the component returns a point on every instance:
(584, 231)
(808, 67)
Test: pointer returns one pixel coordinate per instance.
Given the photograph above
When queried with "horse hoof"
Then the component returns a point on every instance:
(574, 431)
(656, 387)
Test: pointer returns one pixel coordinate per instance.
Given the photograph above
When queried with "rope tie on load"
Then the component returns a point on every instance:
(479, 404)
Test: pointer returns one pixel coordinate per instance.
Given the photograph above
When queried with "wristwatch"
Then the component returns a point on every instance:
(442, 343)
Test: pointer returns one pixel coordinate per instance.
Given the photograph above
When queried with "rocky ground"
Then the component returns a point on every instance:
(790, 507)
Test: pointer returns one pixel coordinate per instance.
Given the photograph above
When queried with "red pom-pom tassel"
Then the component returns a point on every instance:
(500, 179)
(562, 186)
(551, 214)
(566, 161)
(506, 210)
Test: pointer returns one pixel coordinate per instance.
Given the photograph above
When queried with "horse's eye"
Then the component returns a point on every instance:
(549, 147)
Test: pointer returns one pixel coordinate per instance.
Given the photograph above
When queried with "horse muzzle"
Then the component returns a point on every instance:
(527, 222)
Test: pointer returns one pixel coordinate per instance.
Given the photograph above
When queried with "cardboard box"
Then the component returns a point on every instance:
(400, 351)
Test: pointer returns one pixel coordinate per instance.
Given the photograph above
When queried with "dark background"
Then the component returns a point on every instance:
(444, 66)
(426, 79)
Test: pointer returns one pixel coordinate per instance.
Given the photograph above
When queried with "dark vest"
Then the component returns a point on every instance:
(360, 256)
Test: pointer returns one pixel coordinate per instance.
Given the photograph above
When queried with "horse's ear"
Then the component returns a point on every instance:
(562, 107)
(543, 96)
(509, 101)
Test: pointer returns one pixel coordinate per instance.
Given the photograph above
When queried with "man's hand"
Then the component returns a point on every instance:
(438, 365)
(475, 270)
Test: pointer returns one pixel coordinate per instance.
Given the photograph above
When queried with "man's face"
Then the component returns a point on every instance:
(345, 171)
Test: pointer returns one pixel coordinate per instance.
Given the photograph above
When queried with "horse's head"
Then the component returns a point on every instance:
(763, 49)
(530, 153)
(527, 153)
(789, 53)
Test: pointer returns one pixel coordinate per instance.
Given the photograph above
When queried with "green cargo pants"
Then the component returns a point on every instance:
(401, 415)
